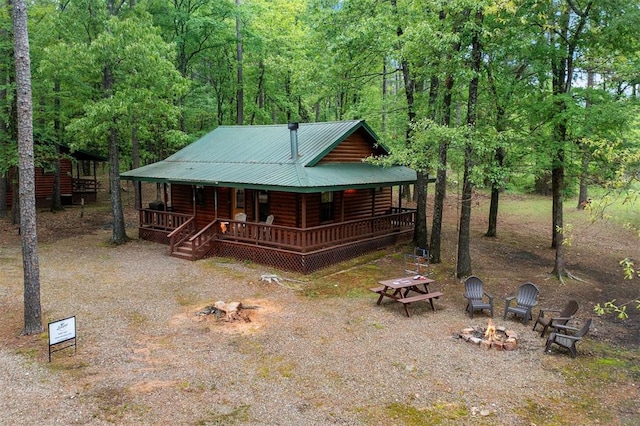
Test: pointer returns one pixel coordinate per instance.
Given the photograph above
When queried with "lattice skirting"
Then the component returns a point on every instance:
(153, 235)
(304, 263)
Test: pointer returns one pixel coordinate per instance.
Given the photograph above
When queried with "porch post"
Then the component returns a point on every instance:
(193, 198)
(399, 198)
(256, 205)
(304, 211)
(215, 202)
(164, 195)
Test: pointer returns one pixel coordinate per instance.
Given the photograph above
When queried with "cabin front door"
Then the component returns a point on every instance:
(237, 201)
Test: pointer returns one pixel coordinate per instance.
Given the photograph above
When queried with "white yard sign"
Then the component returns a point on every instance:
(61, 331)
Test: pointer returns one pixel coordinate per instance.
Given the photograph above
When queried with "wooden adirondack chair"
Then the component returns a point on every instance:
(546, 320)
(475, 295)
(526, 299)
(562, 338)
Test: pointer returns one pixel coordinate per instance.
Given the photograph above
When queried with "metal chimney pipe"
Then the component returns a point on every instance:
(293, 127)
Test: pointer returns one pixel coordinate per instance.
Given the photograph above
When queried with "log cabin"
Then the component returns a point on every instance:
(78, 179)
(296, 197)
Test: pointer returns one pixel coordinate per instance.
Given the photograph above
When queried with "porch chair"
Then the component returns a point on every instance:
(561, 338)
(266, 232)
(562, 318)
(475, 294)
(238, 229)
(526, 299)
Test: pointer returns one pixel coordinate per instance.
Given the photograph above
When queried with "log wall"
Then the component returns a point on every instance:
(352, 150)
(44, 185)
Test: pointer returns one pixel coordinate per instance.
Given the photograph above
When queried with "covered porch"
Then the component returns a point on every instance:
(301, 250)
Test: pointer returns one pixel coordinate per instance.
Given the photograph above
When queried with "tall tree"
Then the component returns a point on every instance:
(443, 145)
(30, 261)
(463, 266)
(420, 233)
(570, 23)
(239, 68)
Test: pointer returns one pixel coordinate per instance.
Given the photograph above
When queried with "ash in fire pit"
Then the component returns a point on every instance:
(490, 337)
(231, 311)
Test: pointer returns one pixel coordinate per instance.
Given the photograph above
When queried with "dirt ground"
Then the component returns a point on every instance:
(520, 253)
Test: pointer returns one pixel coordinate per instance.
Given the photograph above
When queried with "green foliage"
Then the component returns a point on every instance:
(146, 85)
(437, 414)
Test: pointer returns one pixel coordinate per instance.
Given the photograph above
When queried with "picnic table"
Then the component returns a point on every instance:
(398, 289)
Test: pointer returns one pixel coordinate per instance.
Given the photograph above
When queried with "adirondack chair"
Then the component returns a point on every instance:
(237, 228)
(562, 338)
(266, 231)
(546, 320)
(475, 296)
(526, 299)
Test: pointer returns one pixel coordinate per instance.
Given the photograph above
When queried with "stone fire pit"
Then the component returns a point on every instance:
(491, 336)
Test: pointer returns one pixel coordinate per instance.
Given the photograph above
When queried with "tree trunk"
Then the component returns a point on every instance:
(557, 185)
(4, 137)
(420, 235)
(583, 196)
(15, 199)
(4, 182)
(463, 267)
(496, 188)
(240, 81)
(135, 159)
(463, 264)
(119, 235)
(30, 262)
(586, 158)
(56, 201)
(572, 24)
(441, 175)
(420, 229)
(499, 156)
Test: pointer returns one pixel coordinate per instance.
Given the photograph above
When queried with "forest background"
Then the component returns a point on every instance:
(509, 94)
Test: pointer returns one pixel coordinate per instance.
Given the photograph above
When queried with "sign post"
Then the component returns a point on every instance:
(61, 332)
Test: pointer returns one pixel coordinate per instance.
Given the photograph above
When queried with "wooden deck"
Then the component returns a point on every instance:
(298, 249)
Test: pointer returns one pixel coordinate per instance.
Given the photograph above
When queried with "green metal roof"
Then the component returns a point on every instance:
(260, 157)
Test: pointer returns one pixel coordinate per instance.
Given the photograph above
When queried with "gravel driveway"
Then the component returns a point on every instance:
(145, 357)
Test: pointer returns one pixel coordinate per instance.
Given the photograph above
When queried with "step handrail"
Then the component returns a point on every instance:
(202, 238)
(181, 234)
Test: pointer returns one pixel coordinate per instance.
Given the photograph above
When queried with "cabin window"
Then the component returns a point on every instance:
(263, 205)
(239, 199)
(200, 196)
(326, 206)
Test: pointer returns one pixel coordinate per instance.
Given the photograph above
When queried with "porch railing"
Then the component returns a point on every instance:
(162, 220)
(85, 185)
(318, 237)
(200, 241)
(181, 234)
(182, 228)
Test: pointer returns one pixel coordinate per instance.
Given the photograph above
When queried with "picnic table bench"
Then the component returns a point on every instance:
(398, 289)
